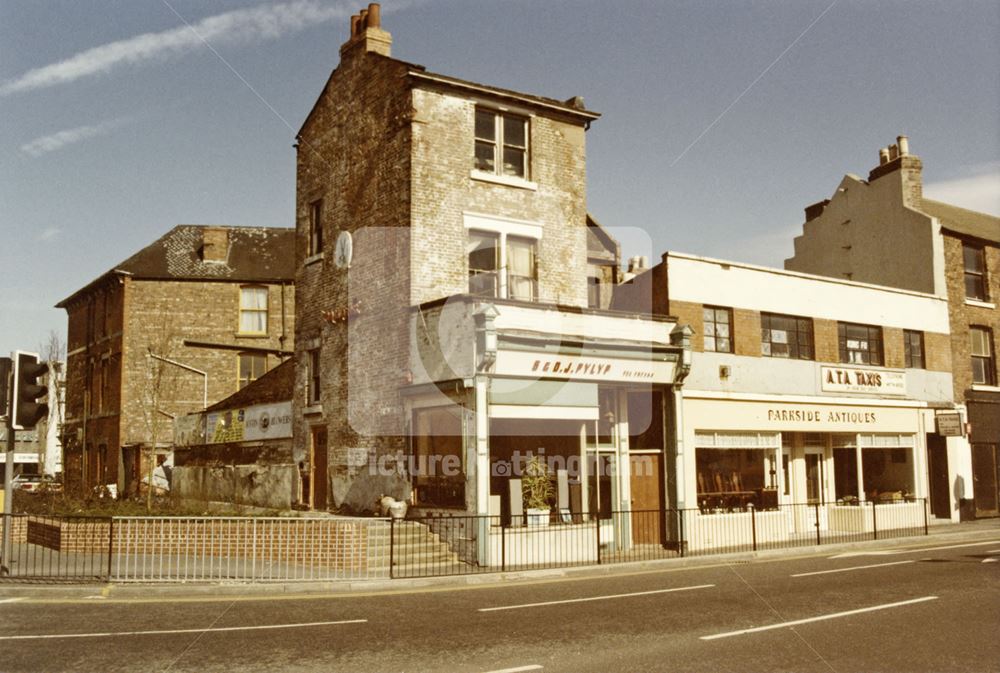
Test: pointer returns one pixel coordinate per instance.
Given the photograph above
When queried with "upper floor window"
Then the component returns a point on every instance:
(502, 266)
(984, 369)
(253, 309)
(316, 227)
(501, 143)
(786, 336)
(860, 344)
(251, 367)
(974, 262)
(314, 378)
(718, 329)
(913, 349)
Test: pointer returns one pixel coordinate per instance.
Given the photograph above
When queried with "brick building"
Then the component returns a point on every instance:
(184, 322)
(445, 279)
(882, 230)
(803, 392)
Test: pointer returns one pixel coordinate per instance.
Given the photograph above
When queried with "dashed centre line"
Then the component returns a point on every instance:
(116, 634)
(844, 570)
(820, 618)
(595, 598)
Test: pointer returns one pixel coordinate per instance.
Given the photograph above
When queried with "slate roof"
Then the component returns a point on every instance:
(962, 221)
(277, 385)
(255, 255)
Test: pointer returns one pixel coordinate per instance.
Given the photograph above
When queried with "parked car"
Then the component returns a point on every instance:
(35, 483)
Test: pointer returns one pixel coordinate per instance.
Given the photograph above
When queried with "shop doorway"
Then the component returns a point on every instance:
(937, 476)
(815, 490)
(647, 497)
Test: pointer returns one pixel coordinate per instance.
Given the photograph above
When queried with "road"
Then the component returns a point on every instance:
(931, 605)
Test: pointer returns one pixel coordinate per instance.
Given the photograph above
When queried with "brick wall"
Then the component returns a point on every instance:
(963, 315)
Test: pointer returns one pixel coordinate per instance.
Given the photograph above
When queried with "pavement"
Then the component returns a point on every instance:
(965, 531)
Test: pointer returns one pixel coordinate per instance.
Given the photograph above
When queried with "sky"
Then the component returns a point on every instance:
(721, 120)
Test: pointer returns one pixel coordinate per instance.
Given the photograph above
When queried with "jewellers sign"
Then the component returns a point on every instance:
(581, 368)
(853, 380)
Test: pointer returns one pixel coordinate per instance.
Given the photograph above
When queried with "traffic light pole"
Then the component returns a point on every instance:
(8, 492)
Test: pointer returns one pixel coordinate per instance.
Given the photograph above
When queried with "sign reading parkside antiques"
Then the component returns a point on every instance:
(853, 380)
(581, 368)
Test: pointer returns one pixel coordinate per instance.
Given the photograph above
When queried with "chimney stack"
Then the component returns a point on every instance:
(367, 34)
(896, 159)
(214, 244)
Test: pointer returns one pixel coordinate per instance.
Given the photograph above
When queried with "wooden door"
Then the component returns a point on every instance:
(647, 498)
(318, 463)
(937, 476)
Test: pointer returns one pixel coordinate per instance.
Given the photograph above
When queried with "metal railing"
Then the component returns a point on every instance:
(424, 546)
(57, 548)
(250, 549)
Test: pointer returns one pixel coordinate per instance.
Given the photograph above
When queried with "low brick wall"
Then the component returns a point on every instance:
(18, 528)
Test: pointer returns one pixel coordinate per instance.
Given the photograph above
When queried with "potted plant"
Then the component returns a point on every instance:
(536, 486)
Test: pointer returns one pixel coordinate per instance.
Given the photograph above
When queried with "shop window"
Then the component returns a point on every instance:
(730, 479)
(501, 143)
(913, 349)
(502, 266)
(251, 367)
(718, 329)
(845, 475)
(860, 344)
(974, 262)
(785, 336)
(438, 470)
(984, 370)
(253, 309)
(887, 474)
(315, 227)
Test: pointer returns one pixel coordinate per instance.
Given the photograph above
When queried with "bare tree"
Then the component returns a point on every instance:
(159, 390)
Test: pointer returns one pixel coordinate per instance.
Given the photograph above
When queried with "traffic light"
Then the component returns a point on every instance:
(26, 410)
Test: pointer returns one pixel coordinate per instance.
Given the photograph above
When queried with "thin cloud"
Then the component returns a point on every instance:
(254, 24)
(980, 191)
(49, 233)
(57, 141)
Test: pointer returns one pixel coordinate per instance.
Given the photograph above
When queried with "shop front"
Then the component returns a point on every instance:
(802, 467)
(587, 395)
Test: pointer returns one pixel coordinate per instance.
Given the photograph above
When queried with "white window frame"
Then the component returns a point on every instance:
(248, 309)
(502, 228)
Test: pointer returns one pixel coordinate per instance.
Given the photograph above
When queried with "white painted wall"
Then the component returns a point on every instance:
(708, 281)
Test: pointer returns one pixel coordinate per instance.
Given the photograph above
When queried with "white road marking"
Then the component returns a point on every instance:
(529, 667)
(844, 570)
(595, 598)
(11, 600)
(834, 615)
(113, 634)
(889, 552)
(991, 560)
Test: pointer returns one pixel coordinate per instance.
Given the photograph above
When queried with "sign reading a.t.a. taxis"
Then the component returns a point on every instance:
(856, 380)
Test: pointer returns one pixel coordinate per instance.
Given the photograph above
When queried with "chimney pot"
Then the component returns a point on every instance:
(355, 25)
(893, 152)
(904, 145)
(374, 15)
(883, 156)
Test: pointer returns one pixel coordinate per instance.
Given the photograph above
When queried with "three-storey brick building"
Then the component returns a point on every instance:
(186, 321)
(445, 289)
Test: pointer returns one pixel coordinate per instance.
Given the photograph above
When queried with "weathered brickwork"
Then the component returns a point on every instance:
(111, 332)
(389, 158)
(962, 314)
(746, 332)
